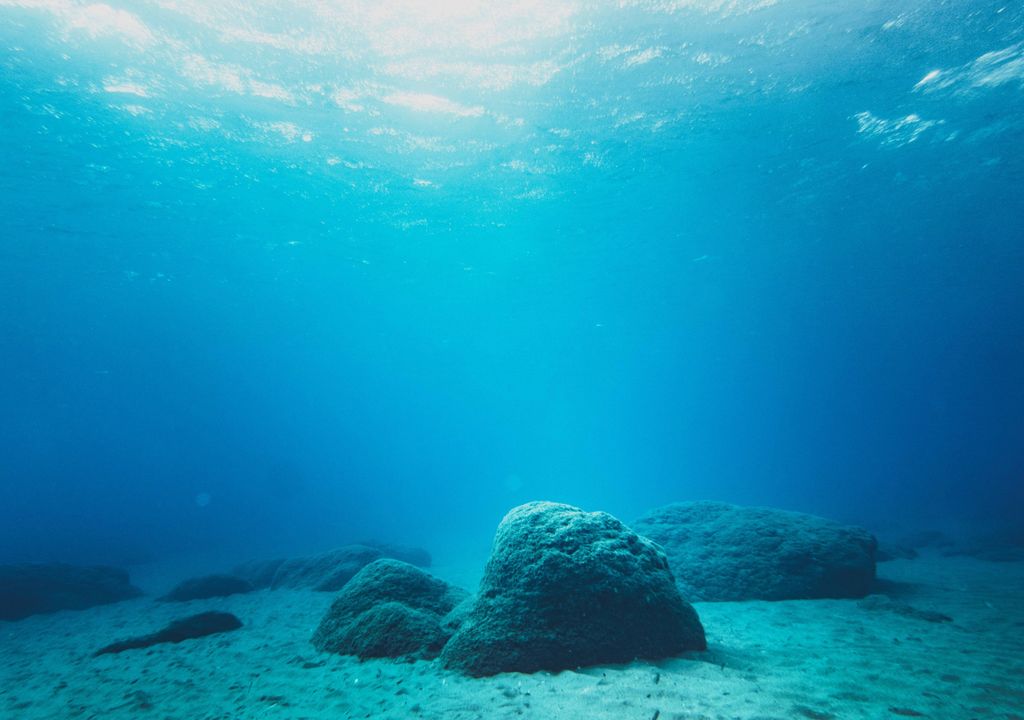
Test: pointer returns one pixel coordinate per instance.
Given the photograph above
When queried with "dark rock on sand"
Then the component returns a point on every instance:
(194, 626)
(389, 609)
(44, 588)
(883, 603)
(208, 586)
(727, 552)
(565, 588)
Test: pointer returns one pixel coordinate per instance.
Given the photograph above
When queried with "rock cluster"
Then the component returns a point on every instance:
(563, 588)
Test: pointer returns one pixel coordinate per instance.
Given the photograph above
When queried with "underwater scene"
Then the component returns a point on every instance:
(470, 360)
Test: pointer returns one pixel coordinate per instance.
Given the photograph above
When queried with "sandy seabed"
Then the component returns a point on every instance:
(766, 661)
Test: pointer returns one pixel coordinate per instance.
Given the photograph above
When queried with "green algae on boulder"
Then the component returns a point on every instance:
(389, 609)
(728, 552)
(565, 588)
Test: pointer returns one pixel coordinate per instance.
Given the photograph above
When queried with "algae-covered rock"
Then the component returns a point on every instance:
(389, 609)
(392, 630)
(327, 571)
(565, 588)
(30, 589)
(727, 552)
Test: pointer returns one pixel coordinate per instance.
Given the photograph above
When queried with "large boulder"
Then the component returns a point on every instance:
(208, 586)
(389, 609)
(565, 588)
(727, 552)
(44, 588)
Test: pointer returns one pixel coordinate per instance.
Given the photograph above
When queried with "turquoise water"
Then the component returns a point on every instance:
(280, 275)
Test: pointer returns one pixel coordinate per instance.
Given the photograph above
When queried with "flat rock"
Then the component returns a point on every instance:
(565, 588)
(191, 627)
(31, 589)
(389, 609)
(208, 586)
(728, 552)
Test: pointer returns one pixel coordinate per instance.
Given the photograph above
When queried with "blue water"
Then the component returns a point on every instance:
(275, 278)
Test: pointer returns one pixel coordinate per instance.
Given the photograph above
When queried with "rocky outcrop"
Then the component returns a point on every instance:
(208, 586)
(327, 571)
(389, 609)
(194, 626)
(728, 552)
(565, 588)
(31, 589)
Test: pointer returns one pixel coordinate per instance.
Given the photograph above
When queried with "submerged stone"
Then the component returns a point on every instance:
(194, 626)
(728, 552)
(389, 609)
(565, 588)
(327, 571)
(208, 586)
(31, 589)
